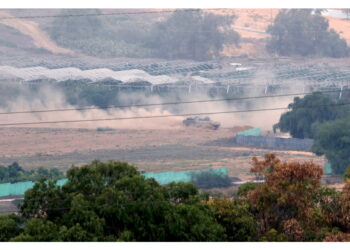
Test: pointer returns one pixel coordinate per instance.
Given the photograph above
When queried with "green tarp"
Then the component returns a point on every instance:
(19, 188)
(251, 132)
(327, 168)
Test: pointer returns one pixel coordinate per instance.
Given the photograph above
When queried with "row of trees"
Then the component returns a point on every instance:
(15, 173)
(191, 34)
(324, 119)
(113, 202)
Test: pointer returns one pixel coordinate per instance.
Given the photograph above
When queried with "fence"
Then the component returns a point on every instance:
(274, 142)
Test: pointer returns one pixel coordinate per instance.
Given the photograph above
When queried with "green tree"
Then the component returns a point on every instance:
(328, 203)
(347, 174)
(236, 217)
(245, 188)
(333, 140)
(4, 174)
(207, 179)
(112, 201)
(193, 35)
(306, 113)
(38, 230)
(304, 32)
(8, 227)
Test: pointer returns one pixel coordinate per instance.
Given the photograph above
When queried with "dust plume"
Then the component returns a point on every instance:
(48, 98)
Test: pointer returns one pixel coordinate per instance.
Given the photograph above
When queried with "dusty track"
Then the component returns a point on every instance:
(40, 38)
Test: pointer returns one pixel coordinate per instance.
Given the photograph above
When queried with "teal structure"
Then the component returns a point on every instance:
(327, 168)
(251, 132)
(19, 188)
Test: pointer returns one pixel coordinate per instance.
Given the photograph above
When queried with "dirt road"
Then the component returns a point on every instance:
(40, 38)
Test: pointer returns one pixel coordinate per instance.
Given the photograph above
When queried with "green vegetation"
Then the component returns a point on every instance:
(304, 33)
(184, 35)
(306, 113)
(208, 179)
(192, 35)
(9, 227)
(347, 174)
(113, 202)
(333, 140)
(325, 120)
(15, 173)
(245, 188)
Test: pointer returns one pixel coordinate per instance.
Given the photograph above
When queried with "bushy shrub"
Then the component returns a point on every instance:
(208, 179)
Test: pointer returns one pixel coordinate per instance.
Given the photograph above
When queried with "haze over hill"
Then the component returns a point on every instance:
(251, 24)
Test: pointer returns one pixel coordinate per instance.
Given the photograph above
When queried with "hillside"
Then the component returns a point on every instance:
(251, 24)
(32, 30)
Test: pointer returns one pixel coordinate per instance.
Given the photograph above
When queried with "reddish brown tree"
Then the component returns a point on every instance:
(284, 201)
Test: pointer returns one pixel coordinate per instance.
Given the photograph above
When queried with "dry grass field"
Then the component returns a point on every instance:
(150, 150)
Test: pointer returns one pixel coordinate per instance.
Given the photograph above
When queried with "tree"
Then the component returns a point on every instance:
(38, 230)
(8, 227)
(333, 140)
(306, 113)
(284, 202)
(193, 35)
(207, 179)
(245, 188)
(236, 217)
(304, 32)
(15, 173)
(347, 174)
(112, 201)
(345, 208)
(14, 170)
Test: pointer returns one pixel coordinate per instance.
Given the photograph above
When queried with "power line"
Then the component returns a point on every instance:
(161, 104)
(173, 115)
(107, 14)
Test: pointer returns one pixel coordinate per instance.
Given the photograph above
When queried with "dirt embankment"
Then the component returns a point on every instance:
(30, 28)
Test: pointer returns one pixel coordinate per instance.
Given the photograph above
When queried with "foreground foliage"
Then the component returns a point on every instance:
(113, 202)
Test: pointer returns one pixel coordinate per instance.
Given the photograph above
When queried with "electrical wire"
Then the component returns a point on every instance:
(162, 104)
(109, 14)
(172, 115)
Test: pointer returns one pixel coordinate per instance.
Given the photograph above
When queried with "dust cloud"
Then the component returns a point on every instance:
(50, 98)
